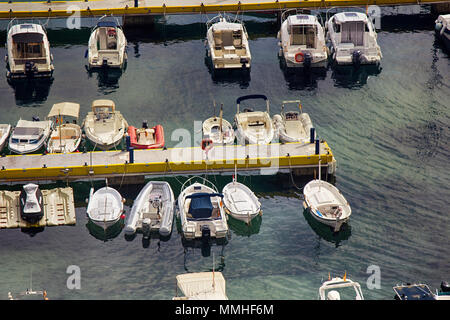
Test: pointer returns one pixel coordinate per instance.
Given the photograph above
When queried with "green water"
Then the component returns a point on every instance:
(388, 130)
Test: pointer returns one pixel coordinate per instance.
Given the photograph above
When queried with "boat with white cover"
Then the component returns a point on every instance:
(152, 210)
(201, 286)
(65, 137)
(31, 203)
(293, 126)
(107, 45)
(29, 136)
(5, 130)
(219, 130)
(201, 211)
(442, 28)
(28, 51)
(105, 207)
(339, 288)
(105, 126)
(352, 39)
(302, 40)
(227, 43)
(253, 127)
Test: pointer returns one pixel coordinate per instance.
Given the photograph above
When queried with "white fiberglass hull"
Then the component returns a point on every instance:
(240, 202)
(105, 207)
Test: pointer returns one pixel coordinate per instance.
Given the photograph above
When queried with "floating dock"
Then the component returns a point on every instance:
(301, 158)
(59, 209)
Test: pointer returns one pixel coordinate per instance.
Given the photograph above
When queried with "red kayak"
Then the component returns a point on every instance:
(146, 138)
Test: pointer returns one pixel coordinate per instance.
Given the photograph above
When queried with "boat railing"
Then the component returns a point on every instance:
(226, 17)
(342, 9)
(15, 21)
(193, 179)
(252, 97)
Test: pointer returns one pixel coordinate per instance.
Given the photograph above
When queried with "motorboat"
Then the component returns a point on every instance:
(442, 28)
(240, 202)
(66, 136)
(219, 130)
(302, 40)
(201, 286)
(105, 126)
(352, 39)
(145, 137)
(339, 288)
(107, 45)
(31, 203)
(152, 210)
(227, 43)
(29, 136)
(326, 203)
(5, 130)
(253, 127)
(293, 126)
(201, 211)
(420, 291)
(105, 207)
(28, 51)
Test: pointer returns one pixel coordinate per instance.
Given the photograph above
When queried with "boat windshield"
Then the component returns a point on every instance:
(303, 35)
(353, 32)
(28, 45)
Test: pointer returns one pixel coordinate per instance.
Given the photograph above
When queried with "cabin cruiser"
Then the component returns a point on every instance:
(293, 126)
(65, 137)
(219, 130)
(253, 127)
(302, 40)
(338, 288)
(31, 203)
(107, 45)
(28, 52)
(29, 136)
(104, 126)
(352, 39)
(145, 137)
(227, 43)
(5, 130)
(105, 207)
(442, 28)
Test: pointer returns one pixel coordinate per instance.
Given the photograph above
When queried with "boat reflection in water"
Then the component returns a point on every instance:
(31, 90)
(353, 77)
(190, 254)
(302, 78)
(228, 76)
(107, 78)
(147, 237)
(326, 232)
(105, 234)
(240, 228)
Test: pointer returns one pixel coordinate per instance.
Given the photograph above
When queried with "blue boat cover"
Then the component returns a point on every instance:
(201, 206)
(106, 24)
(414, 292)
(251, 96)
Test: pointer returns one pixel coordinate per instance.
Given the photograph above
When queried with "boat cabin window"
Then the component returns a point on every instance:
(303, 35)
(102, 113)
(353, 32)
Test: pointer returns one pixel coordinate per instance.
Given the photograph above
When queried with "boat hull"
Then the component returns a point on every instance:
(158, 135)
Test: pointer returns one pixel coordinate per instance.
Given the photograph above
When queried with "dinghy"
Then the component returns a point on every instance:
(107, 45)
(227, 43)
(339, 288)
(28, 51)
(152, 210)
(253, 127)
(29, 136)
(105, 207)
(145, 137)
(442, 29)
(65, 137)
(219, 130)
(201, 212)
(293, 126)
(104, 126)
(31, 203)
(201, 286)
(5, 130)
(302, 40)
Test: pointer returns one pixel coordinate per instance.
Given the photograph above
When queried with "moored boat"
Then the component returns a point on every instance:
(201, 286)
(29, 136)
(339, 288)
(219, 130)
(442, 27)
(145, 137)
(31, 203)
(105, 207)
(5, 130)
(293, 126)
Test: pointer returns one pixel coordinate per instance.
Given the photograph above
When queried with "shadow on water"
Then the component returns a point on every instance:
(228, 76)
(191, 246)
(102, 234)
(353, 77)
(240, 228)
(107, 78)
(29, 91)
(300, 78)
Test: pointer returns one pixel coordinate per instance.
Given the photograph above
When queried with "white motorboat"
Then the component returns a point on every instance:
(253, 127)
(104, 126)
(105, 207)
(31, 203)
(352, 39)
(28, 51)
(152, 210)
(302, 40)
(29, 136)
(240, 202)
(201, 286)
(339, 288)
(219, 130)
(5, 130)
(442, 28)
(107, 45)
(326, 203)
(293, 126)
(201, 212)
(227, 43)
(65, 137)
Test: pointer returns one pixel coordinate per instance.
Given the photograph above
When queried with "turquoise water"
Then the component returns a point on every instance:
(389, 131)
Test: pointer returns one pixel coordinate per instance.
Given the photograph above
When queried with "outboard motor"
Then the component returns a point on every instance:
(445, 287)
(244, 62)
(206, 235)
(307, 60)
(29, 68)
(356, 58)
(31, 203)
(105, 63)
(145, 124)
(36, 118)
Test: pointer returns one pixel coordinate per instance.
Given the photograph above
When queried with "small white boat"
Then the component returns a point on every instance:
(254, 127)
(200, 209)
(442, 28)
(326, 203)
(104, 126)
(336, 287)
(65, 137)
(31, 203)
(227, 43)
(152, 210)
(28, 51)
(352, 39)
(293, 126)
(201, 286)
(5, 130)
(219, 130)
(302, 40)
(107, 45)
(105, 207)
(29, 136)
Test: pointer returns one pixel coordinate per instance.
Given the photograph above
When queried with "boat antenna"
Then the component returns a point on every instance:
(320, 175)
(214, 104)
